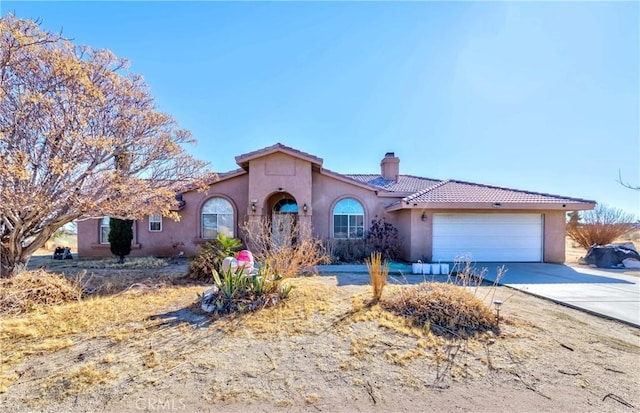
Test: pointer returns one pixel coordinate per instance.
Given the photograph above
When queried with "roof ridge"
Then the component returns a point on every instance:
(424, 191)
(275, 146)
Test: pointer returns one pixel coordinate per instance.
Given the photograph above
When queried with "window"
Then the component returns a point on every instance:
(217, 217)
(104, 230)
(348, 219)
(155, 223)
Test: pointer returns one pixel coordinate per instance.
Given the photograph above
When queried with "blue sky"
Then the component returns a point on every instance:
(536, 96)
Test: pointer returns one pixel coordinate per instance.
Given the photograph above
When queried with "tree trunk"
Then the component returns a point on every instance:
(11, 263)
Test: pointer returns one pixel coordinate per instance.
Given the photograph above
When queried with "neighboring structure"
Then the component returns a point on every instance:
(437, 220)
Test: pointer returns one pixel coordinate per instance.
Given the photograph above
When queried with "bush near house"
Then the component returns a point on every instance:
(289, 255)
(600, 226)
(381, 237)
(120, 237)
(211, 255)
(235, 292)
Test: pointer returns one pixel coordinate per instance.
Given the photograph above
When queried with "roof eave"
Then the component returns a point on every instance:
(348, 180)
(546, 206)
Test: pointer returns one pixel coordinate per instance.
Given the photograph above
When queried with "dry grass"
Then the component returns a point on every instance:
(446, 309)
(33, 289)
(378, 271)
(324, 343)
(130, 262)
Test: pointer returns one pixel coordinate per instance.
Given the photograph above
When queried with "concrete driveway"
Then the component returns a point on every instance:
(613, 294)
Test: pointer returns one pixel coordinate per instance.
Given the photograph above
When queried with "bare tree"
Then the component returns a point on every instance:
(79, 137)
(626, 184)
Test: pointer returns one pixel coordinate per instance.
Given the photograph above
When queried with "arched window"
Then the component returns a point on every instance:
(217, 217)
(104, 230)
(348, 219)
(286, 206)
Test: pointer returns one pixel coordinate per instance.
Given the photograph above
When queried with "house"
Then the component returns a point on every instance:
(437, 220)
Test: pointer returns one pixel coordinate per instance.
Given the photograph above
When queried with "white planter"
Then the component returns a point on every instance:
(444, 268)
(426, 268)
(435, 269)
(416, 268)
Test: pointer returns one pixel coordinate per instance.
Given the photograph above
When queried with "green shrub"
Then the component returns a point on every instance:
(120, 237)
(211, 255)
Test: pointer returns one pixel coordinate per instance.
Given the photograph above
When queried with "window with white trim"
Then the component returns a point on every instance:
(217, 217)
(104, 230)
(155, 223)
(348, 219)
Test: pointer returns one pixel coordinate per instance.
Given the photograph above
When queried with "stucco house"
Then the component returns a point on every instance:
(437, 220)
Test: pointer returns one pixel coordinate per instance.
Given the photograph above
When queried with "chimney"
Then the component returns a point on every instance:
(390, 166)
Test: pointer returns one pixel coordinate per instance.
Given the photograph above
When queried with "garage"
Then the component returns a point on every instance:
(488, 237)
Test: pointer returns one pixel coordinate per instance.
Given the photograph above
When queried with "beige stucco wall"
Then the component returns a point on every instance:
(328, 191)
(278, 174)
(554, 236)
(184, 234)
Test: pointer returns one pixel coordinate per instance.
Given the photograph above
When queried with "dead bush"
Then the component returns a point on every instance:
(346, 250)
(210, 257)
(600, 226)
(384, 237)
(113, 263)
(286, 254)
(447, 309)
(32, 289)
(378, 271)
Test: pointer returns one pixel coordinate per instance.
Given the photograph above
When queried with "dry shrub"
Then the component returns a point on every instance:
(346, 250)
(378, 271)
(131, 263)
(288, 255)
(447, 309)
(210, 257)
(33, 289)
(600, 226)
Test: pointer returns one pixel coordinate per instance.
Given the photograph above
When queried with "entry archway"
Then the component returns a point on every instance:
(284, 219)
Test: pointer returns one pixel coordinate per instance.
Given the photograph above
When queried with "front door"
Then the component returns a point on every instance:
(284, 222)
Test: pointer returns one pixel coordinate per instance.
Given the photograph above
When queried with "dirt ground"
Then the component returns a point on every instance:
(323, 350)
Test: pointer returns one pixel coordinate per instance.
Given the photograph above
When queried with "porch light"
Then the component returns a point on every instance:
(304, 208)
(423, 217)
(253, 206)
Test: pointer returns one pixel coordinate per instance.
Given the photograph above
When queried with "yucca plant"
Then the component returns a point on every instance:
(237, 292)
(378, 271)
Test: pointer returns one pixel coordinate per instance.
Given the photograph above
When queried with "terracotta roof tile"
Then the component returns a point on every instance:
(406, 183)
(452, 191)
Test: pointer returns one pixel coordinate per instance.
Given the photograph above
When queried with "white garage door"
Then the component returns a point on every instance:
(488, 237)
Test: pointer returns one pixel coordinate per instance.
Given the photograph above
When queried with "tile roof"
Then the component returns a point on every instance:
(452, 191)
(406, 183)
